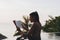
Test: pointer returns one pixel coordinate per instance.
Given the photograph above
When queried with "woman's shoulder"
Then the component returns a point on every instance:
(36, 23)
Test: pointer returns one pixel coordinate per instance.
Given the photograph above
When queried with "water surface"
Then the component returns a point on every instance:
(8, 29)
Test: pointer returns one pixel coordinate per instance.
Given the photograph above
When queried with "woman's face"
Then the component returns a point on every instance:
(31, 18)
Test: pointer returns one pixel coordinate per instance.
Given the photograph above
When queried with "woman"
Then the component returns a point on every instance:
(35, 31)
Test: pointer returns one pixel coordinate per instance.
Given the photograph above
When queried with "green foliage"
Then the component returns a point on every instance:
(26, 21)
(52, 25)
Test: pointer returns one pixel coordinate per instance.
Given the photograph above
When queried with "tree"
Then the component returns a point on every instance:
(52, 25)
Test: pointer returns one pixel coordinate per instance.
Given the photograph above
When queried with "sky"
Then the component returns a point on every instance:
(15, 9)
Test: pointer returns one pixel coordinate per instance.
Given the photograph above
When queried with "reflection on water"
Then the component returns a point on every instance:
(9, 29)
(49, 36)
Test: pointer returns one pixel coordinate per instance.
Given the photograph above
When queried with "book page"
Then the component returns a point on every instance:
(19, 24)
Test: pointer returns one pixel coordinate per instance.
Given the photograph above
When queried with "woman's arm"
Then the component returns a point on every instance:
(32, 29)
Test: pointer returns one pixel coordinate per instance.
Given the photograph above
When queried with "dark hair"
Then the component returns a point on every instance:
(35, 16)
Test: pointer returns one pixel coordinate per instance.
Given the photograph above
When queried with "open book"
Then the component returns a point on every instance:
(18, 24)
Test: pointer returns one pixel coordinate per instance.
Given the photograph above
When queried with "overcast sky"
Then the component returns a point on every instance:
(15, 9)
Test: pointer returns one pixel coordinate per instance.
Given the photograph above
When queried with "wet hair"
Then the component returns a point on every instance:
(35, 16)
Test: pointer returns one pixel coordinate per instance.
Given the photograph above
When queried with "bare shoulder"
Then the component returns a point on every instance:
(36, 24)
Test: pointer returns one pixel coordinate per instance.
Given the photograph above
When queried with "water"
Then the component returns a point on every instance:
(8, 29)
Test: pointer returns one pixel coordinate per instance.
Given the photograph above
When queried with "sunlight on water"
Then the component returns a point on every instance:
(9, 30)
